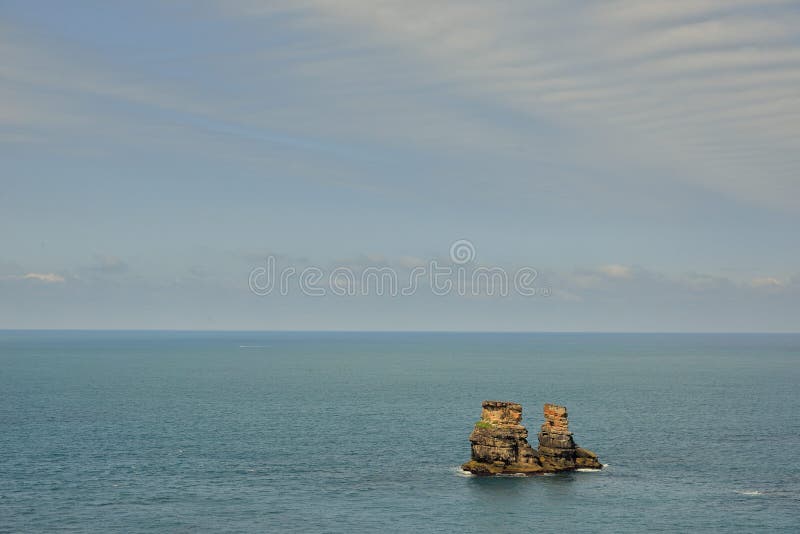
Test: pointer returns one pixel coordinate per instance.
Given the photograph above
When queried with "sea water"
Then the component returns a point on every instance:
(349, 432)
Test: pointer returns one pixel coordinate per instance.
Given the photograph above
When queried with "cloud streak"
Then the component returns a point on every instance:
(704, 92)
(48, 278)
(638, 74)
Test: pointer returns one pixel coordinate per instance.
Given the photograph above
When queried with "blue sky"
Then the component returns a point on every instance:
(641, 156)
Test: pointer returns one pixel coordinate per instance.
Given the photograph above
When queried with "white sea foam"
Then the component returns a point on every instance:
(588, 470)
(460, 472)
(750, 492)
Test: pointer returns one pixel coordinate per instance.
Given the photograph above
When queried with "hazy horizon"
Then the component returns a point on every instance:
(499, 332)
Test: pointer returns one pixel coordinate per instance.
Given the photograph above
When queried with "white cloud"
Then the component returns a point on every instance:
(616, 271)
(767, 282)
(49, 278)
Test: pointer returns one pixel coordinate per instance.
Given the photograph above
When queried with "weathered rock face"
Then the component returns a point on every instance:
(500, 445)
(499, 441)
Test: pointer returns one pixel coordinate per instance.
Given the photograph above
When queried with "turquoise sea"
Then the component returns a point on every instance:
(364, 432)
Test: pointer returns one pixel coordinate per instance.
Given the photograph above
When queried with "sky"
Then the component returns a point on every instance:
(640, 157)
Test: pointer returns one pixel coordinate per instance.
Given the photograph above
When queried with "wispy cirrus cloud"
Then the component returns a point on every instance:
(704, 92)
(659, 12)
(681, 84)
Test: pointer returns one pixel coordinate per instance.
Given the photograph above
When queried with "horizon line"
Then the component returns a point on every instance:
(344, 331)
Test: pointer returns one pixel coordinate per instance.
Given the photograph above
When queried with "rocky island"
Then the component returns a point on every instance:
(500, 445)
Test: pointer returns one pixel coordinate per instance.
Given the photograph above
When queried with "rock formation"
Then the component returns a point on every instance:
(500, 445)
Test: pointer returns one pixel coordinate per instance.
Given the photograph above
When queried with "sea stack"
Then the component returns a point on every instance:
(500, 445)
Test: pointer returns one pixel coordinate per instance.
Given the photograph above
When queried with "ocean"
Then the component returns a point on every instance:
(363, 432)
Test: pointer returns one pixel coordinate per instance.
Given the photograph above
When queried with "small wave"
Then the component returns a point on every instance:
(749, 492)
(460, 472)
(588, 470)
